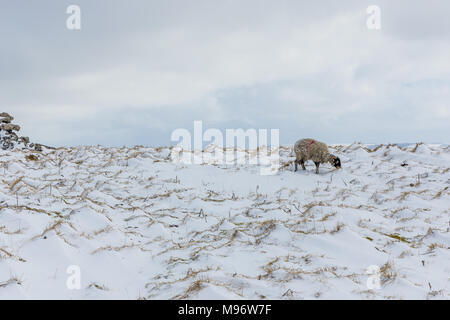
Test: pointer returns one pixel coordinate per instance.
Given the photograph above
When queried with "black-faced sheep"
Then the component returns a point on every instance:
(309, 149)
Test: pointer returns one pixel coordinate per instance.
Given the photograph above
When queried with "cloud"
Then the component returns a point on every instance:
(145, 68)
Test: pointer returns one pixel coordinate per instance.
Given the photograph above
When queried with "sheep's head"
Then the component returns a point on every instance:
(335, 161)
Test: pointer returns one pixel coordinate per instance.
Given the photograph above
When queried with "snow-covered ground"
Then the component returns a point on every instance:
(141, 227)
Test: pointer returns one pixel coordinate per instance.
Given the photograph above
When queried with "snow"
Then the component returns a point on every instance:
(142, 227)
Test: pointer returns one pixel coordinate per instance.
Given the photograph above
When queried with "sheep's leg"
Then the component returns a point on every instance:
(317, 167)
(303, 164)
(296, 166)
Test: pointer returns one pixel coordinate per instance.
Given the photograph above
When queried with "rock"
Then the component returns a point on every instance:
(13, 137)
(37, 147)
(25, 140)
(5, 117)
(10, 127)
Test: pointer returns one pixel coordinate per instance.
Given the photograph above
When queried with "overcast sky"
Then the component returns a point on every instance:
(139, 69)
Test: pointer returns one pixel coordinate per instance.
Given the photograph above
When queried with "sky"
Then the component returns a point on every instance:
(139, 69)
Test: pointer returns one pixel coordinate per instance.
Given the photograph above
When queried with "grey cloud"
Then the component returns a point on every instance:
(139, 69)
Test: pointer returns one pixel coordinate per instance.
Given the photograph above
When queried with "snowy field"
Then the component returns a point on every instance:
(141, 227)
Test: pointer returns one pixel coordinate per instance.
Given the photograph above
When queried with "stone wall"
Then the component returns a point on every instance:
(9, 138)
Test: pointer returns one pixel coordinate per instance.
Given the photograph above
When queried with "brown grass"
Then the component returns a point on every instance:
(10, 281)
(10, 255)
(388, 273)
(98, 286)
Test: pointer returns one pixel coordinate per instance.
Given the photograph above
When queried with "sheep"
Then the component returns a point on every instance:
(309, 149)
